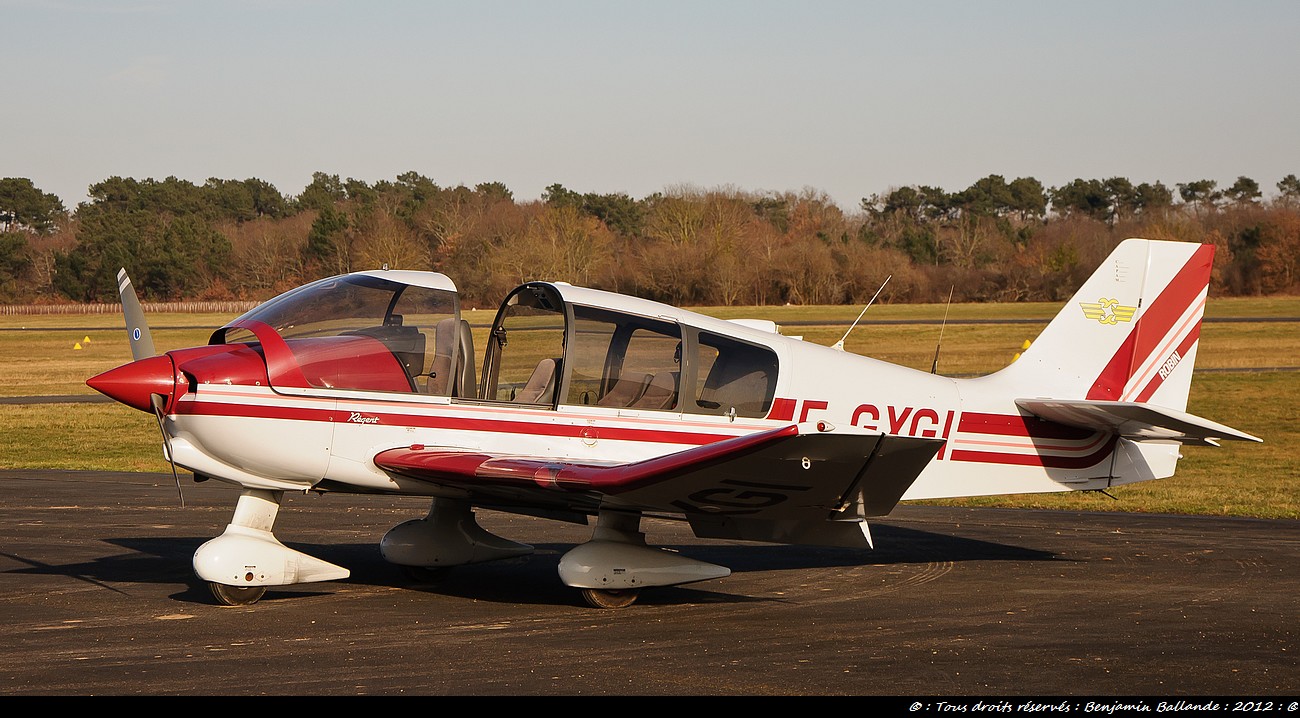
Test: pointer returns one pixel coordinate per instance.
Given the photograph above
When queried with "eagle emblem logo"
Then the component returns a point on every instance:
(1107, 311)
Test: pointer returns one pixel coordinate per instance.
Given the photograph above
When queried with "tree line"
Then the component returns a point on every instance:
(996, 240)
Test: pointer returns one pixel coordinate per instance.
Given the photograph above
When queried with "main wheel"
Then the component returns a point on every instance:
(236, 595)
(610, 598)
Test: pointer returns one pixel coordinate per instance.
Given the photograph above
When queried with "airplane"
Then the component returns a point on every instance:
(591, 404)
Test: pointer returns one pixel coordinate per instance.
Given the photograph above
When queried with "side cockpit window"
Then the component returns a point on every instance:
(545, 351)
(424, 332)
(619, 360)
(732, 375)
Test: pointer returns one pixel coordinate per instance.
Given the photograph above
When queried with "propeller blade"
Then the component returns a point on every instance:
(159, 401)
(136, 327)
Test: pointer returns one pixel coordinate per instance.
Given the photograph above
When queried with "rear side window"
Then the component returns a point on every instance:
(622, 360)
(733, 375)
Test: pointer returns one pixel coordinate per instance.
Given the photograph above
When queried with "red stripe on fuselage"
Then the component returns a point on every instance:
(782, 409)
(1034, 429)
(614, 433)
(1046, 461)
(1017, 425)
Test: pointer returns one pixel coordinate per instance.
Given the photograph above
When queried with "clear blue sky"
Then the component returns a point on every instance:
(851, 98)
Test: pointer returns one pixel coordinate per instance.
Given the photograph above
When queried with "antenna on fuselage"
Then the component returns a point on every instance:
(839, 345)
(934, 366)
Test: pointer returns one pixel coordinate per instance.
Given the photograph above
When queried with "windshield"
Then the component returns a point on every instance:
(336, 305)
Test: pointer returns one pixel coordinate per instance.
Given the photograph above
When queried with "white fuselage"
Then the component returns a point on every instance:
(294, 438)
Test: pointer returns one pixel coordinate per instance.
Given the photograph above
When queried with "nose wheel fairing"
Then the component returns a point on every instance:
(247, 556)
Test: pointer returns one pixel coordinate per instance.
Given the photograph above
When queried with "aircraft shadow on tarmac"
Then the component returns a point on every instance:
(530, 579)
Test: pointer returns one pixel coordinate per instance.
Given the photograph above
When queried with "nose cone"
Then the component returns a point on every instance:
(132, 384)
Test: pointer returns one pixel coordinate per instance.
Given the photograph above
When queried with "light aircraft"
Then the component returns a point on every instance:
(594, 404)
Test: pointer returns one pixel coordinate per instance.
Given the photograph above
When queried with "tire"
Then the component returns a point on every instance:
(228, 595)
(601, 598)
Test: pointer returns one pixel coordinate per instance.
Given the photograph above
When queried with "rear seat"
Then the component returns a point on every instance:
(660, 394)
(626, 392)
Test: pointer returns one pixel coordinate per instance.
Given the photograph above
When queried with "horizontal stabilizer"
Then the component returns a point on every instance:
(1134, 421)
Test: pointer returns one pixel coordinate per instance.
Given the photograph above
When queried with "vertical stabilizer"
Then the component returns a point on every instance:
(1129, 334)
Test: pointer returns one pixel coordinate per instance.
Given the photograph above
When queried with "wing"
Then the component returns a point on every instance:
(774, 485)
(1131, 420)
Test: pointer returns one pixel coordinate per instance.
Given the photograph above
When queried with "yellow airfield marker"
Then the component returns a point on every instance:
(1022, 348)
(77, 345)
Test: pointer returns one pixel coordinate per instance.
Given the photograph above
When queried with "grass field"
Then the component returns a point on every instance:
(1259, 480)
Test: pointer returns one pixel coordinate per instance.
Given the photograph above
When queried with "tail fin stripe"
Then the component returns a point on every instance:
(1110, 383)
(1151, 329)
(1158, 377)
(1173, 302)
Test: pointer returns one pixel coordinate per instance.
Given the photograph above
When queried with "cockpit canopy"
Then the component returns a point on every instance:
(554, 344)
(550, 345)
(375, 331)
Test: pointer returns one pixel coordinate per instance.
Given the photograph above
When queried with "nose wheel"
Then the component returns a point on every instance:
(607, 598)
(228, 595)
